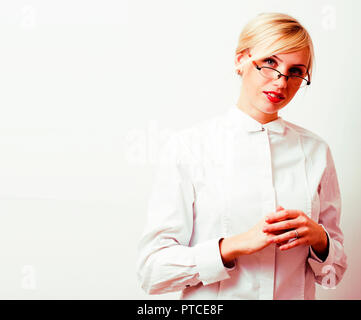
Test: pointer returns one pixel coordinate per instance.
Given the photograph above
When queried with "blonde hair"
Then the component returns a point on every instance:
(271, 33)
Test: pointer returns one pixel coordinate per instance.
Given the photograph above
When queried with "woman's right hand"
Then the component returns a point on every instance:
(245, 243)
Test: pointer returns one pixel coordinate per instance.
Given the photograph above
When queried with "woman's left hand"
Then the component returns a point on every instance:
(283, 224)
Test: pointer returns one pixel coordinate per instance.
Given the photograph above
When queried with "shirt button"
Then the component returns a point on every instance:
(263, 129)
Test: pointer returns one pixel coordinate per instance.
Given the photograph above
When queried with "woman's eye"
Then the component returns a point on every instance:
(269, 61)
(296, 72)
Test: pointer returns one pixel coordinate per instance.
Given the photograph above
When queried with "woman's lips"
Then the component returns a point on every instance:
(273, 99)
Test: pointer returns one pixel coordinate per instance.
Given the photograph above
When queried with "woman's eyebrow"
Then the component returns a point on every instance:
(293, 64)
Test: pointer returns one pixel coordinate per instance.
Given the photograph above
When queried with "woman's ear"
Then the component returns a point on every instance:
(240, 59)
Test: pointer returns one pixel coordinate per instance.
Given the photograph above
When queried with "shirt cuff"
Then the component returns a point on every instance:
(315, 262)
(209, 262)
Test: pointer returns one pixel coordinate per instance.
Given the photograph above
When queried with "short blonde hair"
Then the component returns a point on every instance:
(272, 33)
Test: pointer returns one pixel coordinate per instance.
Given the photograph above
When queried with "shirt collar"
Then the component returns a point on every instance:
(242, 119)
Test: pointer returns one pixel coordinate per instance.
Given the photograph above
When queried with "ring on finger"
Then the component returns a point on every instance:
(297, 235)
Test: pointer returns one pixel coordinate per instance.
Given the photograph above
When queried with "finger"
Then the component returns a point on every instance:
(292, 244)
(285, 236)
(275, 233)
(282, 215)
(281, 243)
(268, 216)
(281, 226)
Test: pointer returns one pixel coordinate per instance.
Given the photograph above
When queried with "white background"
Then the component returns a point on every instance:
(90, 89)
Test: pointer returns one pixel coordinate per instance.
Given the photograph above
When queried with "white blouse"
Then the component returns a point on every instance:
(219, 178)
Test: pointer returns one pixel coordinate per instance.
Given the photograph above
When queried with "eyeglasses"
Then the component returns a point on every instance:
(271, 73)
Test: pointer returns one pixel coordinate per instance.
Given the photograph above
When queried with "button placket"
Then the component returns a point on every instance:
(267, 258)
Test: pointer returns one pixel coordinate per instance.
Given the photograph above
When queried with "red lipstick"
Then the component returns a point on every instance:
(276, 97)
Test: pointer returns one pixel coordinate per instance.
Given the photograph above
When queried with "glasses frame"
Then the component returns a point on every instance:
(281, 74)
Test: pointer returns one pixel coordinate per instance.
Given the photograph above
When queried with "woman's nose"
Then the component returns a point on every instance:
(281, 81)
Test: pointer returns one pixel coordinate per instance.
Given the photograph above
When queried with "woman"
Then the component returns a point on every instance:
(247, 205)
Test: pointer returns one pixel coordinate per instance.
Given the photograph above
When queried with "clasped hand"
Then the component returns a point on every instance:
(280, 227)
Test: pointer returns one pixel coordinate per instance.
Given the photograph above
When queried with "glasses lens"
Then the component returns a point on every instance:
(274, 74)
(269, 73)
(303, 84)
(298, 81)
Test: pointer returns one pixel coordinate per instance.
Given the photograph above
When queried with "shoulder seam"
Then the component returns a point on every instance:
(303, 131)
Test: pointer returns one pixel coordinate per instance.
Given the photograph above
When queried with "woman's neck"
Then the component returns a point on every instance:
(255, 113)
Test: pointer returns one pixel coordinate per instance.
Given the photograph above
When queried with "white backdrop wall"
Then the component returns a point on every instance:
(89, 90)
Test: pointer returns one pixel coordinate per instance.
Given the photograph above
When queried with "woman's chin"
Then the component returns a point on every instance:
(270, 109)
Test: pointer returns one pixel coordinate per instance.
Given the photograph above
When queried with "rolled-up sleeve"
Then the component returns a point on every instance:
(165, 261)
(330, 271)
